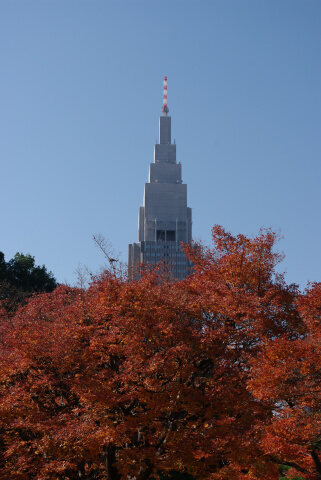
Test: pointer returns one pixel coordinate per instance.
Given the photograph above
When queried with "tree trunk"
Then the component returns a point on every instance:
(109, 459)
(317, 462)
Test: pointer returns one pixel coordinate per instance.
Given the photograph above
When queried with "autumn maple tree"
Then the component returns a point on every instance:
(287, 377)
(132, 379)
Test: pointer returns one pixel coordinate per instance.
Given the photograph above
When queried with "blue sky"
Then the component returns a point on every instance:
(80, 97)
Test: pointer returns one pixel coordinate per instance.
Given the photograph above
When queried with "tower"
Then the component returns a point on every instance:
(164, 220)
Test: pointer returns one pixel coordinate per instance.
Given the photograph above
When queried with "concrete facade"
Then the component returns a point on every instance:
(164, 219)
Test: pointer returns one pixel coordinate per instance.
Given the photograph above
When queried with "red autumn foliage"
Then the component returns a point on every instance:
(130, 379)
(287, 376)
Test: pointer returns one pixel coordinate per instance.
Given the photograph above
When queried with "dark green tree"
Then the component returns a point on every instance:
(3, 268)
(20, 278)
(23, 273)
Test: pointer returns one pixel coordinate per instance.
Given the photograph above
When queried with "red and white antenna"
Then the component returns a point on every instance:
(165, 109)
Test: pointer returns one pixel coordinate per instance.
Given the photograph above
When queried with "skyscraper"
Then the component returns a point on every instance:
(164, 220)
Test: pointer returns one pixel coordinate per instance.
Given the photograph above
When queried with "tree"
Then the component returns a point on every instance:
(20, 278)
(3, 267)
(129, 379)
(287, 377)
(22, 272)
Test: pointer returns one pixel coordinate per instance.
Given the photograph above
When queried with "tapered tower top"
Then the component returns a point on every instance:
(165, 109)
(164, 219)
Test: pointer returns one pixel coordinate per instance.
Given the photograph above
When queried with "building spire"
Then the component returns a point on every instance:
(165, 109)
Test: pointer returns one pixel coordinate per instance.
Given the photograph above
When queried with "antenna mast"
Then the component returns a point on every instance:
(165, 109)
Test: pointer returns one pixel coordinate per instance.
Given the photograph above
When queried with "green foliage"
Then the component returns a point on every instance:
(284, 469)
(23, 273)
(20, 277)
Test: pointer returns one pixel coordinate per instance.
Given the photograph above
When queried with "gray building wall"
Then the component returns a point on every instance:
(164, 220)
